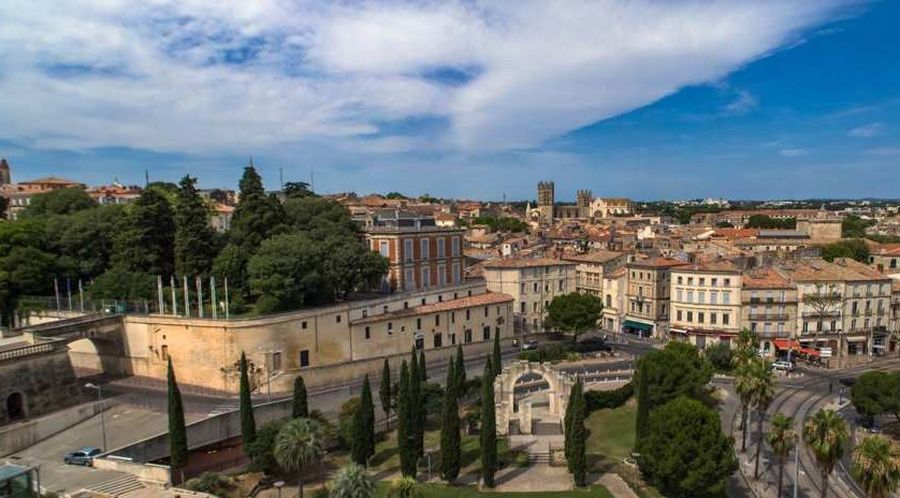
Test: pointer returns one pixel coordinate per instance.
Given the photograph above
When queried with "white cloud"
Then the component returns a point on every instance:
(883, 151)
(742, 104)
(201, 75)
(795, 152)
(867, 131)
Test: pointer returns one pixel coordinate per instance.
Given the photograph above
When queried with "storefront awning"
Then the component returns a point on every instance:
(809, 351)
(638, 325)
(856, 339)
(786, 344)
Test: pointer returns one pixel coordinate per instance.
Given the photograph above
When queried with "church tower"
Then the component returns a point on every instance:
(583, 201)
(545, 200)
(5, 175)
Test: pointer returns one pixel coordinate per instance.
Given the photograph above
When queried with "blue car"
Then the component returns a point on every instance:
(84, 456)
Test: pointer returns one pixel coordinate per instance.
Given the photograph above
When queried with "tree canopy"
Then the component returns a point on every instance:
(59, 201)
(574, 313)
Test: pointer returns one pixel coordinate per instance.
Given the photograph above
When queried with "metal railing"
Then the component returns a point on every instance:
(768, 317)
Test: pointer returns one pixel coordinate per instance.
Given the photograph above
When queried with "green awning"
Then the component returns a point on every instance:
(638, 325)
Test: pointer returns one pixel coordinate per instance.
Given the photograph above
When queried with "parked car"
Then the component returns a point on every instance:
(82, 456)
(783, 365)
(593, 344)
(531, 346)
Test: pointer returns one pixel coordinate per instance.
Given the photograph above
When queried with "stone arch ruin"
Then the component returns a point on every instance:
(508, 410)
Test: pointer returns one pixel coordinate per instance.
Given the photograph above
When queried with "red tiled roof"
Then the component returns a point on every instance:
(526, 262)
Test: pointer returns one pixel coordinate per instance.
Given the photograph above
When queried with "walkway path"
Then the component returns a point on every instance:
(617, 486)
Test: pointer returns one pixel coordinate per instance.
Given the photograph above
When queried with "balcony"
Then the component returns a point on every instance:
(823, 296)
(768, 317)
(822, 314)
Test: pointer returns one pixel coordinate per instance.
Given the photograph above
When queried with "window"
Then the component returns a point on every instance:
(423, 248)
(690, 280)
(441, 275)
(712, 318)
(467, 336)
(805, 326)
(337, 319)
(534, 287)
(276, 361)
(726, 298)
(701, 297)
(438, 340)
(522, 307)
(485, 311)
(365, 313)
(409, 279)
(437, 320)
(405, 305)
(702, 281)
(690, 316)
(468, 314)
(562, 285)
(454, 247)
(304, 358)
(678, 315)
(164, 351)
(680, 295)
(426, 277)
(690, 296)
(680, 279)
(486, 333)
(453, 339)
(418, 324)
(390, 328)
(713, 297)
(303, 325)
(368, 333)
(727, 282)
(714, 282)
(725, 318)
(523, 289)
(384, 248)
(441, 248)
(608, 300)
(457, 275)
(700, 317)
(407, 250)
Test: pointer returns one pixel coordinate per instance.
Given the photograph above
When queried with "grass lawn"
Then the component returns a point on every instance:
(440, 491)
(612, 432)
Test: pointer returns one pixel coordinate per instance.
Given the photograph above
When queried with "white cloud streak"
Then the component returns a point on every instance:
(203, 75)
(867, 131)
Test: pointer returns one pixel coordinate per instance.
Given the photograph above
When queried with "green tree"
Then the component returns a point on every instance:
(574, 313)
(231, 264)
(299, 404)
(57, 202)
(405, 434)
(120, 283)
(257, 216)
(248, 422)
(195, 245)
(719, 356)
(763, 221)
(763, 391)
(417, 414)
(782, 438)
(743, 385)
(853, 226)
(496, 359)
(178, 448)
(423, 368)
(577, 457)
(297, 190)
(676, 370)
(384, 393)
(876, 392)
(404, 487)
(684, 452)
(460, 370)
(146, 242)
(875, 467)
(488, 428)
(643, 404)
(84, 240)
(826, 434)
(351, 481)
(451, 455)
(848, 248)
(363, 444)
(299, 443)
(348, 419)
(745, 348)
(262, 457)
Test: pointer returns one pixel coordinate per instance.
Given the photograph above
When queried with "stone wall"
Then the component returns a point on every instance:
(45, 382)
(18, 436)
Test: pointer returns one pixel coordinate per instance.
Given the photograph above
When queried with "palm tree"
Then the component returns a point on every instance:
(300, 442)
(351, 481)
(826, 433)
(875, 468)
(745, 349)
(404, 487)
(743, 384)
(763, 390)
(782, 438)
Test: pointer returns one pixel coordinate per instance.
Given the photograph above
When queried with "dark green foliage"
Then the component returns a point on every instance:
(384, 392)
(423, 369)
(405, 435)
(432, 399)
(567, 424)
(60, 201)
(417, 414)
(365, 431)
(211, 483)
(684, 452)
(850, 248)
(501, 224)
(877, 392)
(496, 359)
(643, 405)
(195, 245)
(764, 221)
(451, 455)
(248, 422)
(178, 448)
(597, 400)
(719, 356)
(257, 216)
(576, 455)
(677, 370)
(84, 240)
(574, 313)
(146, 242)
(317, 216)
(299, 405)
(460, 370)
(120, 283)
(296, 190)
(347, 421)
(488, 428)
(231, 263)
(853, 226)
(261, 457)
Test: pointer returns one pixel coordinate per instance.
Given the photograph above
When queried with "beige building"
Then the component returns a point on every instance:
(769, 307)
(647, 302)
(591, 268)
(706, 303)
(20, 194)
(885, 258)
(615, 295)
(532, 283)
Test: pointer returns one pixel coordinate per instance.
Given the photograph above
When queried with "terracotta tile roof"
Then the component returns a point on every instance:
(594, 256)
(766, 278)
(658, 263)
(842, 269)
(736, 233)
(526, 263)
(485, 299)
(712, 266)
(617, 273)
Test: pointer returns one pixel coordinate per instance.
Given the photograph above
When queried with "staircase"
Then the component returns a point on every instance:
(537, 456)
(117, 487)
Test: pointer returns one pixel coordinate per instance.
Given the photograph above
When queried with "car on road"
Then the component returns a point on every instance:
(82, 456)
(783, 365)
(531, 346)
(593, 344)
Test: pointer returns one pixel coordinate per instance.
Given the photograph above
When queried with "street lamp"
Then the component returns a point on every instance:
(102, 418)
(278, 485)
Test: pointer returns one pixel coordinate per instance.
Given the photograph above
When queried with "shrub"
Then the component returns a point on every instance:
(261, 457)
(345, 421)
(719, 355)
(210, 482)
(596, 400)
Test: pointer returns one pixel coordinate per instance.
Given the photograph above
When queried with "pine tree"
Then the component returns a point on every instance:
(450, 438)
(423, 370)
(488, 428)
(194, 236)
(404, 432)
(300, 406)
(248, 423)
(496, 360)
(257, 216)
(178, 450)
(417, 418)
(578, 457)
(643, 405)
(146, 243)
(367, 408)
(384, 393)
(460, 372)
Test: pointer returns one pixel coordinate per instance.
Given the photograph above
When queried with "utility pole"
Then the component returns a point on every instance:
(56, 292)
(199, 296)
(187, 298)
(69, 292)
(174, 298)
(81, 295)
(214, 304)
(226, 298)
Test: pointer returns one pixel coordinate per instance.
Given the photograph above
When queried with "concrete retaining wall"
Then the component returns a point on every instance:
(17, 437)
(147, 472)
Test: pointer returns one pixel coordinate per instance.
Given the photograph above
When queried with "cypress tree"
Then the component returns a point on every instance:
(460, 372)
(257, 216)
(578, 457)
(299, 407)
(194, 237)
(451, 455)
(367, 408)
(496, 360)
(567, 423)
(417, 418)
(404, 433)
(248, 424)
(178, 450)
(357, 442)
(423, 371)
(488, 428)
(384, 393)
(643, 405)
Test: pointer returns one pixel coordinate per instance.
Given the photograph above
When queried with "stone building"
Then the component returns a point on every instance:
(615, 294)
(592, 266)
(705, 303)
(532, 283)
(585, 207)
(647, 304)
(19, 194)
(769, 306)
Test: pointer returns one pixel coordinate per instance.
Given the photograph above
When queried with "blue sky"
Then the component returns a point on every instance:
(645, 99)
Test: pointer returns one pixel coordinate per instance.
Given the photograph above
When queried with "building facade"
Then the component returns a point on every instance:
(769, 306)
(20, 194)
(593, 266)
(706, 303)
(532, 283)
(615, 294)
(647, 304)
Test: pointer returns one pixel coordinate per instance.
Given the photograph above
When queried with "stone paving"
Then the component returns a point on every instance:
(536, 477)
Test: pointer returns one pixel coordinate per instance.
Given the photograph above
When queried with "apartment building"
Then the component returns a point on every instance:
(647, 301)
(886, 258)
(705, 303)
(532, 283)
(615, 295)
(593, 266)
(769, 307)
(894, 337)
(421, 254)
